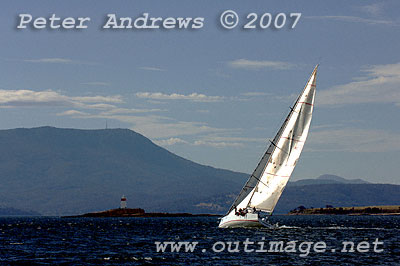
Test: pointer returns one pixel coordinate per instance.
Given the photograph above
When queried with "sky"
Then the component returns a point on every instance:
(214, 95)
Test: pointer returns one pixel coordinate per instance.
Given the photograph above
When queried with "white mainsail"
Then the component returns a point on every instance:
(264, 187)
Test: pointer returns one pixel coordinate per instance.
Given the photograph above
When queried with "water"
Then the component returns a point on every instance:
(131, 241)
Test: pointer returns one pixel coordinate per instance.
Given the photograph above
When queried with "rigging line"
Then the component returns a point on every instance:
(292, 110)
(259, 180)
(248, 180)
(279, 148)
(292, 139)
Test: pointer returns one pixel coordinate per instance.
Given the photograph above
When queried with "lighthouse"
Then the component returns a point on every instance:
(123, 202)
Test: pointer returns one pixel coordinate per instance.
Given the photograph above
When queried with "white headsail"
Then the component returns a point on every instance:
(264, 187)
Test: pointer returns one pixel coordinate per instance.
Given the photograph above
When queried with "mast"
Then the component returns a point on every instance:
(256, 179)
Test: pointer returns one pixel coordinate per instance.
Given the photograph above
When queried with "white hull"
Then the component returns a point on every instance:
(248, 220)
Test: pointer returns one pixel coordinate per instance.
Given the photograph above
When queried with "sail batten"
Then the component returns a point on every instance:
(267, 182)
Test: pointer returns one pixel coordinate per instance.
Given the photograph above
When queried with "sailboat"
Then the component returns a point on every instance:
(260, 194)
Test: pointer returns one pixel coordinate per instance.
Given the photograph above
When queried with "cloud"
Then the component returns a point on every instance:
(29, 98)
(354, 140)
(224, 138)
(72, 113)
(220, 144)
(95, 99)
(163, 129)
(255, 65)
(158, 127)
(212, 140)
(354, 19)
(218, 140)
(101, 106)
(142, 120)
(151, 68)
(116, 111)
(56, 60)
(195, 97)
(380, 85)
(170, 141)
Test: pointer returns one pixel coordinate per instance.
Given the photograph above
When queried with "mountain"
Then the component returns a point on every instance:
(327, 179)
(57, 171)
(341, 179)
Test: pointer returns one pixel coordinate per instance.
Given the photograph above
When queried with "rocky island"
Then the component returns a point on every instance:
(137, 212)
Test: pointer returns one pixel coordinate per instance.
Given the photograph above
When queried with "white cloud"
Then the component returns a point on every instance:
(100, 106)
(254, 64)
(195, 97)
(30, 98)
(224, 138)
(152, 126)
(96, 99)
(116, 111)
(72, 113)
(161, 127)
(354, 140)
(170, 141)
(354, 19)
(220, 144)
(381, 85)
(212, 140)
(56, 60)
(165, 130)
(151, 68)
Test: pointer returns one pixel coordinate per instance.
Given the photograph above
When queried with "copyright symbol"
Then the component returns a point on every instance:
(229, 19)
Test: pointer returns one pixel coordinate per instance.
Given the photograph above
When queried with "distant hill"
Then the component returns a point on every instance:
(343, 195)
(69, 171)
(56, 171)
(327, 179)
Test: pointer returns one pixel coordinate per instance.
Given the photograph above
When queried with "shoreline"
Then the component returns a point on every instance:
(352, 211)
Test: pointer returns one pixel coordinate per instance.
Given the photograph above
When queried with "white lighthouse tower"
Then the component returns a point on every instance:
(123, 202)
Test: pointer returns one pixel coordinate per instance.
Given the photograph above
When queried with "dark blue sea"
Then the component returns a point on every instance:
(291, 240)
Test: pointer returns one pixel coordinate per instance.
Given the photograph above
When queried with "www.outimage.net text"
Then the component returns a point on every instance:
(303, 248)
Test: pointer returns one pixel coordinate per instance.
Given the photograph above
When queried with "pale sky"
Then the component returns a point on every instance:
(212, 95)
